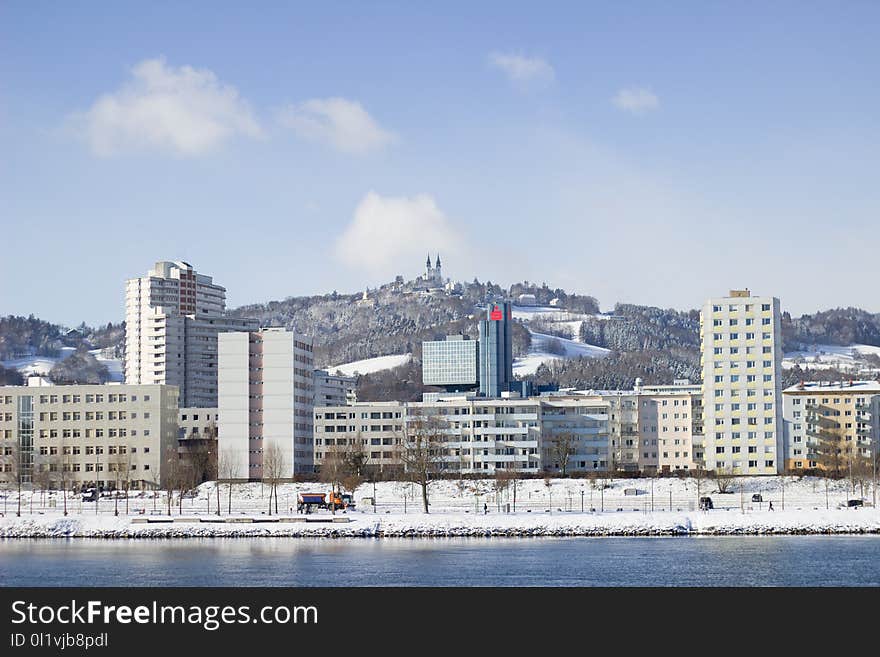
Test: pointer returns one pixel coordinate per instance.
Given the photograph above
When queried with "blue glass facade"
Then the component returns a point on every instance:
(496, 350)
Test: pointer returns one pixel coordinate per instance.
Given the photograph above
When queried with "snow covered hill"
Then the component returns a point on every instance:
(370, 365)
(42, 365)
(542, 349)
(849, 359)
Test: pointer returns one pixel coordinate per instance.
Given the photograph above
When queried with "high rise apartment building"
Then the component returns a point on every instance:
(172, 318)
(741, 344)
(265, 397)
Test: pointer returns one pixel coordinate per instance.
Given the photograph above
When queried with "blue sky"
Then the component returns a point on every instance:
(629, 152)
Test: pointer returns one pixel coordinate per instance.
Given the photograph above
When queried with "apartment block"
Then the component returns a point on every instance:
(265, 397)
(484, 435)
(172, 318)
(623, 427)
(479, 435)
(376, 428)
(830, 424)
(741, 344)
(104, 435)
(197, 423)
(334, 389)
(670, 437)
(576, 428)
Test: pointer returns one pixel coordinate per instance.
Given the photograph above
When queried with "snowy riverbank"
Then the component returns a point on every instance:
(619, 507)
(368, 525)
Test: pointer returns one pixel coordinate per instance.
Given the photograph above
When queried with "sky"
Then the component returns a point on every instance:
(652, 153)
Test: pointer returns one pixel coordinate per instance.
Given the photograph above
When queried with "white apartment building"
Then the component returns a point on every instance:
(104, 435)
(823, 415)
(623, 429)
(334, 389)
(480, 435)
(670, 436)
(265, 396)
(197, 423)
(741, 344)
(485, 435)
(172, 318)
(376, 427)
(585, 421)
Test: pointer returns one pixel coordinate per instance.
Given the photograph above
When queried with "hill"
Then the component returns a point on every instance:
(570, 342)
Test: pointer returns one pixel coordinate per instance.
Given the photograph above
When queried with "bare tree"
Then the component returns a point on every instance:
(698, 474)
(423, 450)
(41, 479)
(172, 476)
(13, 469)
(562, 447)
(63, 465)
(831, 449)
(228, 471)
(333, 467)
(355, 459)
(725, 481)
(273, 471)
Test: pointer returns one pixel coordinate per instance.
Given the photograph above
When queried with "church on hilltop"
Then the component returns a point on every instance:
(433, 277)
(430, 283)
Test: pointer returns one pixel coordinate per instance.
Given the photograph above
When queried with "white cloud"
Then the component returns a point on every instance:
(636, 100)
(522, 70)
(388, 234)
(342, 123)
(186, 111)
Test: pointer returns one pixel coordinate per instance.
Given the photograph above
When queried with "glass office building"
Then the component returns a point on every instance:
(451, 363)
(496, 350)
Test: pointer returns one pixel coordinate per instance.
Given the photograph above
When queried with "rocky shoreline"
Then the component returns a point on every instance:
(721, 523)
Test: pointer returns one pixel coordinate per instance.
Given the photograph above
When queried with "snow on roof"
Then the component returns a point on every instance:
(835, 386)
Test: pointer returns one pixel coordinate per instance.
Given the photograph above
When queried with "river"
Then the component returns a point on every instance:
(661, 561)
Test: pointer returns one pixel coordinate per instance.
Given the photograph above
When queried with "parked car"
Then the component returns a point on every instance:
(757, 497)
(851, 503)
(706, 503)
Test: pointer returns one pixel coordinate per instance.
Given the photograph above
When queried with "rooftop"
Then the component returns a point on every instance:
(835, 386)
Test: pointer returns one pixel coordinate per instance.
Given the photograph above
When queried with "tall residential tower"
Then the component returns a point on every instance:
(172, 318)
(266, 397)
(741, 343)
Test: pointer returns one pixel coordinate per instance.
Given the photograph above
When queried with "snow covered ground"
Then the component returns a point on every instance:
(475, 508)
(41, 365)
(370, 365)
(538, 352)
(827, 356)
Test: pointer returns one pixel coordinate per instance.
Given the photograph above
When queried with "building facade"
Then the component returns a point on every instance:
(670, 438)
(265, 397)
(109, 436)
(576, 429)
(451, 363)
(741, 344)
(830, 425)
(375, 428)
(334, 389)
(172, 318)
(496, 350)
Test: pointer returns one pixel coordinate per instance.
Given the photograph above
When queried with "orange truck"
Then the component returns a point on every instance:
(332, 501)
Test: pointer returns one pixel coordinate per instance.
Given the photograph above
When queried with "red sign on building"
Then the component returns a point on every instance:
(496, 314)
